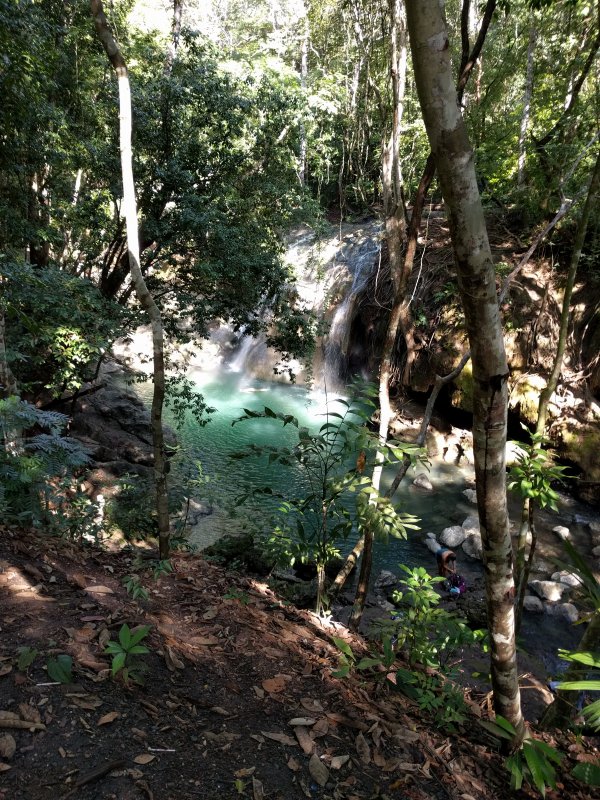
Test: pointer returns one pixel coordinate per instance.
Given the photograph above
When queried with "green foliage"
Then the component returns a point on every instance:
(534, 472)
(237, 594)
(587, 773)
(590, 661)
(579, 566)
(335, 494)
(423, 632)
(125, 652)
(60, 669)
(26, 657)
(38, 472)
(436, 696)
(134, 587)
(534, 762)
(58, 327)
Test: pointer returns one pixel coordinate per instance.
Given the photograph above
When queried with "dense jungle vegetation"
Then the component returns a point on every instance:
(154, 157)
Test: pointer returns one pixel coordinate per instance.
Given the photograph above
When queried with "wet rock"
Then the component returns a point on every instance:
(550, 591)
(533, 604)
(473, 546)
(566, 577)
(471, 495)
(195, 511)
(431, 542)
(596, 551)
(562, 531)
(423, 482)
(566, 611)
(453, 536)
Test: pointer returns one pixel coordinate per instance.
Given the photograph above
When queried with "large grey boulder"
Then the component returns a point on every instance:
(453, 536)
(471, 495)
(471, 524)
(550, 591)
(566, 577)
(423, 482)
(384, 580)
(566, 611)
(473, 546)
(532, 603)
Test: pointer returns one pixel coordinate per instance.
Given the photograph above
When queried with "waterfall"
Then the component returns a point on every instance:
(331, 271)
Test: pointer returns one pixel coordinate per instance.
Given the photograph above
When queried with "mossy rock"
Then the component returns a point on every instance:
(581, 445)
(525, 396)
(240, 553)
(463, 397)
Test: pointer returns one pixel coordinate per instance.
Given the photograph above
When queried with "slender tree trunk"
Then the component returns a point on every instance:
(303, 83)
(8, 384)
(395, 226)
(566, 304)
(477, 285)
(527, 94)
(143, 295)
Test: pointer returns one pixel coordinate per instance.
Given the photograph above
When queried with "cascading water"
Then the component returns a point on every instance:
(331, 271)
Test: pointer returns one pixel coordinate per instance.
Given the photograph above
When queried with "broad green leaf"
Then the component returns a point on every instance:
(343, 645)
(587, 773)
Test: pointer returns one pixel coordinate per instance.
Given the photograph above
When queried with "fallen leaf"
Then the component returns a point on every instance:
(308, 704)
(7, 746)
(293, 764)
(220, 711)
(172, 660)
(304, 740)
(103, 638)
(205, 641)
(276, 684)
(29, 713)
(318, 771)
(260, 693)
(321, 728)
(337, 762)
(89, 703)
(62, 752)
(99, 589)
(110, 717)
(144, 758)
(4, 767)
(280, 737)
(210, 614)
(363, 749)
(378, 759)
(257, 789)
(5, 669)
(307, 722)
(245, 773)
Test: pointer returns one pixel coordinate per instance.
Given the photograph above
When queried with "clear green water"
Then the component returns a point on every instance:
(212, 445)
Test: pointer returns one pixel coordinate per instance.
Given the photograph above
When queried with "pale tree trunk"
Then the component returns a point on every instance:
(395, 227)
(8, 384)
(303, 84)
(477, 285)
(143, 295)
(527, 94)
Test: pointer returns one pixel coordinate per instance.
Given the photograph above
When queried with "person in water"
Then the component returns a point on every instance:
(446, 561)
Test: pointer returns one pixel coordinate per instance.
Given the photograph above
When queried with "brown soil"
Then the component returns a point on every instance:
(230, 666)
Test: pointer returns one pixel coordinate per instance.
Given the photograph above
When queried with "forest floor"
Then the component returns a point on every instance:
(238, 700)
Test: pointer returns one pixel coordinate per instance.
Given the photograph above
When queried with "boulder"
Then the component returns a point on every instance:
(566, 577)
(471, 495)
(453, 536)
(471, 524)
(550, 591)
(596, 551)
(562, 531)
(423, 482)
(566, 611)
(533, 603)
(384, 580)
(473, 546)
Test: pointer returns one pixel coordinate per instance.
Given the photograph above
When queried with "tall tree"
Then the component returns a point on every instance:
(454, 160)
(133, 248)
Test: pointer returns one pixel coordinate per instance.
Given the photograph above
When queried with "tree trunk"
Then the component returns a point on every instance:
(8, 384)
(143, 295)
(525, 114)
(477, 285)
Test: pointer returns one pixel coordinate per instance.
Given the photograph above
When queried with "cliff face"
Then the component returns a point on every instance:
(531, 318)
